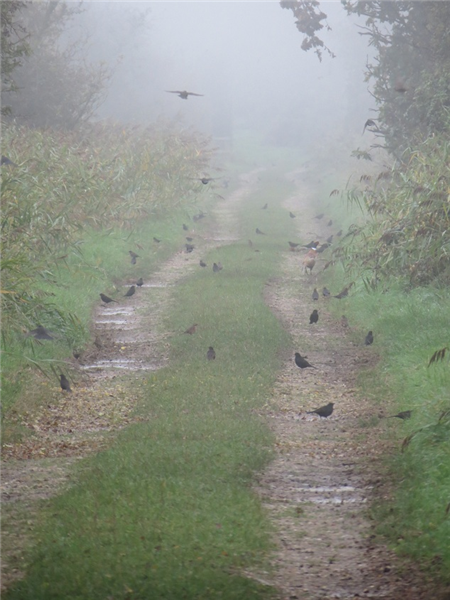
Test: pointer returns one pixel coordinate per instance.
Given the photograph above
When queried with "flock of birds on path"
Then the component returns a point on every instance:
(309, 260)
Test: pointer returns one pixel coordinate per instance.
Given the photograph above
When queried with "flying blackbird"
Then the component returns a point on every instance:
(291, 214)
(40, 333)
(106, 299)
(185, 227)
(210, 355)
(370, 123)
(404, 414)
(156, 240)
(191, 329)
(301, 361)
(292, 245)
(217, 267)
(259, 232)
(65, 385)
(130, 292)
(326, 292)
(183, 94)
(140, 282)
(265, 206)
(203, 264)
(76, 354)
(7, 161)
(313, 317)
(315, 294)
(189, 247)
(368, 339)
(320, 216)
(323, 411)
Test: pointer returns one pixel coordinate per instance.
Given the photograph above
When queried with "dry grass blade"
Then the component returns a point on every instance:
(438, 355)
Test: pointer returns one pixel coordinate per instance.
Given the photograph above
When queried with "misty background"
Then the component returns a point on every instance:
(244, 57)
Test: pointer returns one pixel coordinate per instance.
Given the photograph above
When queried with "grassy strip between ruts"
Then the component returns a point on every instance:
(167, 511)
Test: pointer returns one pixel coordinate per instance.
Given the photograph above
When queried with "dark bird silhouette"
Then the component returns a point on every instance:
(189, 239)
(40, 333)
(7, 161)
(65, 385)
(404, 414)
(323, 411)
(293, 245)
(321, 216)
(203, 264)
(322, 248)
(76, 354)
(217, 267)
(156, 240)
(185, 227)
(315, 294)
(313, 317)
(190, 330)
(368, 340)
(134, 256)
(339, 233)
(330, 239)
(301, 361)
(200, 215)
(206, 180)
(210, 355)
(344, 292)
(140, 282)
(189, 247)
(130, 292)
(291, 214)
(325, 292)
(370, 123)
(330, 223)
(106, 299)
(312, 244)
(265, 206)
(259, 232)
(183, 94)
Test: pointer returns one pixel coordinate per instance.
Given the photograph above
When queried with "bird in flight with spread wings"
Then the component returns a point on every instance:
(183, 94)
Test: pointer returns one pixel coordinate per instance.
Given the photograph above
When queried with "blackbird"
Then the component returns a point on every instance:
(330, 223)
(301, 361)
(40, 333)
(326, 292)
(65, 385)
(312, 244)
(313, 317)
(133, 254)
(404, 414)
(189, 247)
(339, 233)
(342, 294)
(206, 180)
(368, 340)
(315, 294)
(196, 218)
(191, 329)
(259, 232)
(203, 264)
(323, 411)
(140, 282)
(217, 267)
(291, 214)
(265, 206)
(106, 299)
(330, 239)
(130, 292)
(210, 355)
(293, 245)
(185, 227)
(183, 94)
(156, 240)
(320, 216)
(189, 239)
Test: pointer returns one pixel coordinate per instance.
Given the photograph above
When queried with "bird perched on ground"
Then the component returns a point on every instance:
(313, 317)
(140, 282)
(106, 299)
(40, 333)
(301, 361)
(343, 293)
(339, 233)
(312, 244)
(291, 214)
(323, 411)
(404, 414)
(156, 240)
(203, 264)
(217, 267)
(134, 256)
(200, 215)
(130, 292)
(211, 355)
(326, 292)
(330, 223)
(76, 354)
(320, 216)
(189, 247)
(259, 232)
(183, 94)
(315, 294)
(189, 239)
(265, 206)
(7, 161)
(330, 239)
(293, 245)
(206, 180)
(190, 330)
(185, 227)
(65, 385)
(368, 340)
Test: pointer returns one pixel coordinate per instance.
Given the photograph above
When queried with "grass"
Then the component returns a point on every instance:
(168, 511)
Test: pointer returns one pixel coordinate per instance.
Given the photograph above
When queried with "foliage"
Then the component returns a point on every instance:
(14, 45)
(54, 85)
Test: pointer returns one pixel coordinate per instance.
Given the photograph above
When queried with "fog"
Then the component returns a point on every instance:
(245, 58)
